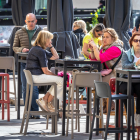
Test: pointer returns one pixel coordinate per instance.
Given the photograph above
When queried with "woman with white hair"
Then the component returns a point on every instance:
(37, 64)
(79, 29)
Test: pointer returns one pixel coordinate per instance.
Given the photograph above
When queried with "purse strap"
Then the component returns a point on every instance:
(117, 61)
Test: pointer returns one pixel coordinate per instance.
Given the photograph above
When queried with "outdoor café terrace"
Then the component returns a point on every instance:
(58, 16)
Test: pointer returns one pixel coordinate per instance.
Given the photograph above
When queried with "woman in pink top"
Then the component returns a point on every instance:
(108, 55)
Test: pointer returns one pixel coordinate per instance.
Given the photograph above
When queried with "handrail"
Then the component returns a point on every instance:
(76, 9)
(45, 16)
(5, 9)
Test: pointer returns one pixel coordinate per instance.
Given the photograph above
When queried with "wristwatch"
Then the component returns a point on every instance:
(51, 47)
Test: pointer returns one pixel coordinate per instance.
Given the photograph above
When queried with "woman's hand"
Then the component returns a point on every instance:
(92, 44)
(138, 62)
(90, 47)
(50, 45)
(134, 30)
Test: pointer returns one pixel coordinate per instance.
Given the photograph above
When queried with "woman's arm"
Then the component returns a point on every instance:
(55, 54)
(92, 56)
(47, 71)
(100, 42)
(126, 64)
(95, 50)
(85, 50)
(96, 53)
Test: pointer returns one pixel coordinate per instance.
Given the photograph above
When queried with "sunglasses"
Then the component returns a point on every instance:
(136, 40)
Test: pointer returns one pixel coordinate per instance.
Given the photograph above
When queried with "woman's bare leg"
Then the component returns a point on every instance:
(48, 97)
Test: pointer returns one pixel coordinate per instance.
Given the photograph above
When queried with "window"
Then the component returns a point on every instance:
(41, 7)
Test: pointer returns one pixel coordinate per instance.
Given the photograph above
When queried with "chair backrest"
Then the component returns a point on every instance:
(102, 89)
(86, 79)
(28, 76)
(7, 62)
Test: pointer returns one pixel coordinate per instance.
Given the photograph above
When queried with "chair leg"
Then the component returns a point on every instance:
(78, 119)
(90, 110)
(55, 124)
(102, 120)
(67, 128)
(77, 97)
(121, 118)
(25, 108)
(15, 90)
(47, 121)
(94, 112)
(108, 116)
(8, 106)
(72, 111)
(138, 134)
(55, 104)
(132, 109)
(2, 98)
(29, 107)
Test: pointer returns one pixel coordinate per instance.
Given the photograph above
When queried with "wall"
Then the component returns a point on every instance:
(136, 4)
(85, 3)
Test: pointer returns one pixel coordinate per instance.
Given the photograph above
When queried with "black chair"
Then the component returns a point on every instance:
(102, 90)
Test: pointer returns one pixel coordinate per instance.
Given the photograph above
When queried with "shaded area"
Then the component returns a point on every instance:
(59, 22)
(118, 14)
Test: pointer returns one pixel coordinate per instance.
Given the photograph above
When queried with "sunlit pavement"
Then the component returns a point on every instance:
(37, 127)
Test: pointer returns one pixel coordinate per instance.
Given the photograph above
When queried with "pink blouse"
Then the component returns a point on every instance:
(109, 54)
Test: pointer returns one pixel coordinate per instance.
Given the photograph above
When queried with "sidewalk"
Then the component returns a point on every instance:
(37, 127)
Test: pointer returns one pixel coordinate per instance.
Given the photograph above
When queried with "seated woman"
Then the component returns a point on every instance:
(94, 34)
(79, 29)
(109, 55)
(130, 60)
(37, 64)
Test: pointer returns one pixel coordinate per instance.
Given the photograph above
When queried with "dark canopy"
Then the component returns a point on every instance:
(118, 14)
(20, 8)
(59, 22)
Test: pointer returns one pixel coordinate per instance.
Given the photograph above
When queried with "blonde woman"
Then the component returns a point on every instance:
(109, 55)
(79, 29)
(37, 64)
(95, 34)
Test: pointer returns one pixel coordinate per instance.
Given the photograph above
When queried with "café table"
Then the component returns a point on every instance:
(64, 65)
(131, 77)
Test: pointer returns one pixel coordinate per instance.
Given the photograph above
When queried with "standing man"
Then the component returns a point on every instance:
(22, 43)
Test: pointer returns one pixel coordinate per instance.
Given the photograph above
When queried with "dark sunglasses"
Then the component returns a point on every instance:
(136, 40)
(99, 34)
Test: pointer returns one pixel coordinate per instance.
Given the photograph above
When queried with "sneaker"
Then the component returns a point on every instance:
(42, 104)
(137, 119)
(51, 107)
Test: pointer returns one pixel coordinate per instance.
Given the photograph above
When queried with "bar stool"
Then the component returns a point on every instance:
(7, 101)
(102, 90)
(8, 63)
(82, 79)
(27, 112)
